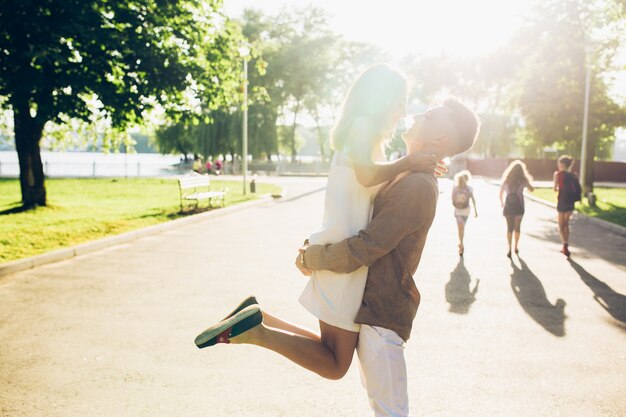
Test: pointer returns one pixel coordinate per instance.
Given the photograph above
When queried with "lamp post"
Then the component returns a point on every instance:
(244, 50)
(587, 187)
(583, 153)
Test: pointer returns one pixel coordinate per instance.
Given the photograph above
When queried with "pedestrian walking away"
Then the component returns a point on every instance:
(514, 179)
(569, 192)
(462, 194)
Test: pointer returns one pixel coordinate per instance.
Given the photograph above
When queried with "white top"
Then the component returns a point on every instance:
(336, 298)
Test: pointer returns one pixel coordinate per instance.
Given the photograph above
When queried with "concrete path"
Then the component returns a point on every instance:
(110, 333)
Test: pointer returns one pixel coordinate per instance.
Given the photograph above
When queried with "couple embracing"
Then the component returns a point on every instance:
(361, 263)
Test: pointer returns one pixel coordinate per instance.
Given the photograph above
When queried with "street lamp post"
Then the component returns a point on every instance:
(583, 153)
(587, 186)
(245, 53)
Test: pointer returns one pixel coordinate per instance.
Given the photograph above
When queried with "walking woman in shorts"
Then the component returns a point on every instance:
(462, 194)
(568, 187)
(514, 180)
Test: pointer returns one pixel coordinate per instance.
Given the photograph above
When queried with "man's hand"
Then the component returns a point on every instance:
(300, 263)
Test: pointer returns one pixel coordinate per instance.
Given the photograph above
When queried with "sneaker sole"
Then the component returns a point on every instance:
(245, 303)
(240, 322)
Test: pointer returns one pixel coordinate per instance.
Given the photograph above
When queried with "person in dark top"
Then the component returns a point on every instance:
(567, 185)
(514, 180)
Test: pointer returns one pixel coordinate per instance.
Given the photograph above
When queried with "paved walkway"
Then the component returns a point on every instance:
(110, 333)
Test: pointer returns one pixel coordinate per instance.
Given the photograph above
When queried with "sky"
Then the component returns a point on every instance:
(454, 27)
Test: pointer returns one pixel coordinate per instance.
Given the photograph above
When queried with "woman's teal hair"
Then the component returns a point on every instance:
(375, 95)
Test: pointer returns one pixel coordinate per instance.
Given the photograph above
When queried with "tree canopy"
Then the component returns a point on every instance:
(299, 67)
(107, 64)
(97, 59)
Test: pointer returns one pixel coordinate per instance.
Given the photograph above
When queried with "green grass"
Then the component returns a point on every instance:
(81, 210)
(610, 205)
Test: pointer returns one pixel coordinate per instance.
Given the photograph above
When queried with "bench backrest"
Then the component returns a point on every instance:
(193, 182)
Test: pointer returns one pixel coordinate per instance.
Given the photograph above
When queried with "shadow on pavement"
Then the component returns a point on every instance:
(597, 241)
(458, 293)
(531, 295)
(301, 195)
(613, 302)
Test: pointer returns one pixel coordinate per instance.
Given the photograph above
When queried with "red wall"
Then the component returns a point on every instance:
(542, 169)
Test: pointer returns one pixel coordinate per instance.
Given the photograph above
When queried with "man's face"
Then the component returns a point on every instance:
(429, 126)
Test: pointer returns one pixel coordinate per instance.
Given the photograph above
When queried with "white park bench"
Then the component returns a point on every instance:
(198, 187)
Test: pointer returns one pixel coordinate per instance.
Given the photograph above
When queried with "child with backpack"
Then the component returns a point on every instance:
(514, 179)
(462, 194)
(567, 185)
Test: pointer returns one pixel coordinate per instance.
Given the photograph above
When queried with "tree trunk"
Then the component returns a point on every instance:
(27, 137)
(293, 132)
(587, 182)
(320, 136)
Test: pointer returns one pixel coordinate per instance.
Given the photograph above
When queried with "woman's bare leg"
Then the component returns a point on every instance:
(518, 223)
(509, 237)
(329, 356)
(275, 322)
(566, 217)
(461, 228)
(561, 221)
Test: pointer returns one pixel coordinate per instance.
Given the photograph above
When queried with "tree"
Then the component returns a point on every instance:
(553, 57)
(297, 66)
(57, 56)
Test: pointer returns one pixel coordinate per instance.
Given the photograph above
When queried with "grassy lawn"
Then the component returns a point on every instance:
(610, 206)
(81, 210)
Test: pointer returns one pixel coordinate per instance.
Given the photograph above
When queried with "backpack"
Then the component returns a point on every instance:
(571, 187)
(512, 205)
(461, 197)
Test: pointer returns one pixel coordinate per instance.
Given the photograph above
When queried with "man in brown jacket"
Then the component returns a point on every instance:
(391, 246)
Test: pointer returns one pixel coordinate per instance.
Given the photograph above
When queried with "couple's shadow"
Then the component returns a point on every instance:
(458, 292)
(531, 295)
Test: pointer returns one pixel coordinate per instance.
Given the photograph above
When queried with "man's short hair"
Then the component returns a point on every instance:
(465, 124)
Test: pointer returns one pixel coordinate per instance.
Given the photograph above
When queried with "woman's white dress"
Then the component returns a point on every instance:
(335, 298)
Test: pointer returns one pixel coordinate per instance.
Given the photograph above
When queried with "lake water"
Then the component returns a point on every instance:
(95, 164)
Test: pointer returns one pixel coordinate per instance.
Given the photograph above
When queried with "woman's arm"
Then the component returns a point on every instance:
(359, 146)
(556, 183)
(374, 173)
(501, 194)
(530, 187)
(474, 204)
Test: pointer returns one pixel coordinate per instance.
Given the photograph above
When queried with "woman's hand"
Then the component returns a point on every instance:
(422, 162)
(425, 162)
(441, 169)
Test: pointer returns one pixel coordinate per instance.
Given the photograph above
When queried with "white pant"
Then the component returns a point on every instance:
(383, 371)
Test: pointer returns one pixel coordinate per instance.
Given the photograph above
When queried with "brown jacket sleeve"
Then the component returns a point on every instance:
(401, 213)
